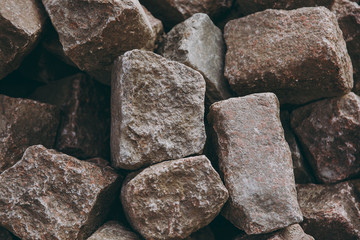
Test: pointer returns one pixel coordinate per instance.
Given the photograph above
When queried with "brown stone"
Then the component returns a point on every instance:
(172, 199)
(85, 128)
(256, 164)
(300, 55)
(21, 23)
(329, 132)
(331, 212)
(157, 110)
(113, 231)
(24, 123)
(49, 195)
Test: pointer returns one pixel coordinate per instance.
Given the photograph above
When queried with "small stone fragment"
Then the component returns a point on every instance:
(21, 23)
(23, 123)
(329, 132)
(172, 199)
(85, 128)
(331, 212)
(199, 44)
(255, 161)
(113, 231)
(157, 110)
(50, 195)
(300, 55)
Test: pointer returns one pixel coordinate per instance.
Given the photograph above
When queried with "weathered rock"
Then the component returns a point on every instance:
(113, 231)
(252, 6)
(5, 234)
(255, 161)
(172, 199)
(157, 110)
(348, 15)
(199, 44)
(49, 195)
(330, 211)
(24, 123)
(85, 128)
(300, 55)
(21, 23)
(292, 232)
(329, 132)
(94, 33)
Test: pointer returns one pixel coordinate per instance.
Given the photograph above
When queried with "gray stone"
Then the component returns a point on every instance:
(23, 123)
(21, 23)
(256, 164)
(172, 199)
(300, 55)
(113, 231)
(199, 44)
(49, 195)
(157, 110)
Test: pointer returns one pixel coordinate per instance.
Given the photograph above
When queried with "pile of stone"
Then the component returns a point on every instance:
(179, 119)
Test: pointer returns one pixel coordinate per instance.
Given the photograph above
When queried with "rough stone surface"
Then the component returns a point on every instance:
(330, 211)
(21, 22)
(300, 55)
(348, 15)
(157, 110)
(113, 231)
(85, 128)
(5, 234)
(256, 164)
(49, 195)
(24, 123)
(95, 32)
(329, 131)
(172, 199)
(199, 44)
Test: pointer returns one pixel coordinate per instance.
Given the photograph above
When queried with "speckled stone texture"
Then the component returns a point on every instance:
(255, 162)
(199, 44)
(85, 127)
(330, 211)
(95, 32)
(157, 110)
(113, 231)
(348, 15)
(300, 55)
(172, 199)
(24, 123)
(49, 195)
(21, 23)
(329, 132)
(251, 6)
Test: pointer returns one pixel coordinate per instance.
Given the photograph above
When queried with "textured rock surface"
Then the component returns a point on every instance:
(113, 231)
(348, 15)
(21, 22)
(157, 110)
(172, 199)
(5, 234)
(330, 211)
(300, 55)
(94, 33)
(256, 164)
(85, 128)
(49, 195)
(199, 44)
(24, 123)
(329, 131)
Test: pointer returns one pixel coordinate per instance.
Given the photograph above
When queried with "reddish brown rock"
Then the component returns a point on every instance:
(21, 23)
(49, 195)
(85, 127)
(157, 110)
(256, 164)
(300, 55)
(113, 231)
(172, 199)
(329, 132)
(330, 212)
(24, 123)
